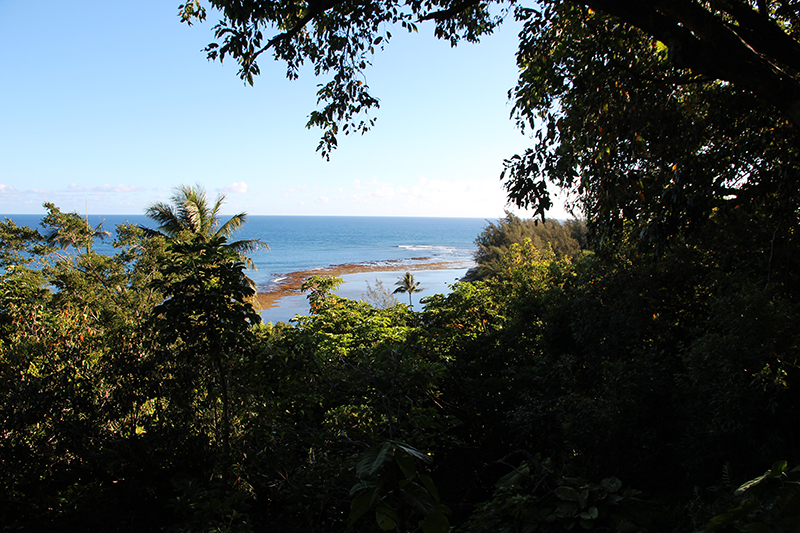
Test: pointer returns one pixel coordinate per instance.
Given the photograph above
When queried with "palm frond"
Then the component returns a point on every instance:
(149, 232)
(406, 283)
(248, 246)
(245, 247)
(214, 214)
(194, 217)
(233, 224)
(190, 211)
(168, 220)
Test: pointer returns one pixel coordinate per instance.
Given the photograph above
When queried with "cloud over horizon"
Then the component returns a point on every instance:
(238, 187)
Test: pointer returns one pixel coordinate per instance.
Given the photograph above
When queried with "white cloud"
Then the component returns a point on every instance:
(105, 188)
(128, 188)
(425, 196)
(429, 197)
(238, 187)
(386, 191)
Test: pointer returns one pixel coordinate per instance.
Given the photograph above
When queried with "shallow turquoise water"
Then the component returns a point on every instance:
(355, 287)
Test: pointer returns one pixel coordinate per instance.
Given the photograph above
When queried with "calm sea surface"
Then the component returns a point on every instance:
(303, 243)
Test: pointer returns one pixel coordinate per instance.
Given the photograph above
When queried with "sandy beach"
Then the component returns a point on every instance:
(290, 284)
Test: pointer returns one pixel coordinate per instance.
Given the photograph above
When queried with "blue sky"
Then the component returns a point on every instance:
(109, 105)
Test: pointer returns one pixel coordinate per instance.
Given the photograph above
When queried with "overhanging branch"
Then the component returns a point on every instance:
(451, 11)
(701, 41)
(314, 10)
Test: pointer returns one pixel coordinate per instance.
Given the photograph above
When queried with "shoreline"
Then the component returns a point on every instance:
(290, 283)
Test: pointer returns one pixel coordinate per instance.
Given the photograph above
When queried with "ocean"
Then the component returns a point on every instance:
(299, 243)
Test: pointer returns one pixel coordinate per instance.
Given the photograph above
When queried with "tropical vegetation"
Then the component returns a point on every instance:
(408, 285)
(565, 239)
(560, 392)
(648, 382)
(190, 215)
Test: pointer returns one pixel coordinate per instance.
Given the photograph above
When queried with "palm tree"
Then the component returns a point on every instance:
(190, 212)
(204, 282)
(406, 283)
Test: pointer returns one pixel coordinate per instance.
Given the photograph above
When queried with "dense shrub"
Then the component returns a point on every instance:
(661, 373)
(566, 239)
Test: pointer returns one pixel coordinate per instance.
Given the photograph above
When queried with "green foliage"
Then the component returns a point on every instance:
(566, 239)
(672, 126)
(206, 314)
(205, 289)
(209, 508)
(76, 397)
(452, 322)
(69, 229)
(532, 498)
(90, 388)
(144, 380)
(770, 502)
(338, 38)
(14, 242)
(378, 385)
(391, 485)
(190, 215)
(320, 289)
(635, 136)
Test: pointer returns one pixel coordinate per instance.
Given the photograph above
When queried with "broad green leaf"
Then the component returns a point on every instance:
(360, 505)
(413, 452)
(626, 526)
(515, 477)
(386, 517)
(583, 498)
(435, 523)
(358, 487)
(749, 484)
(611, 484)
(373, 460)
(568, 494)
(430, 486)
(406, 463)
(566, 510)
(778, 468)
(417, 497)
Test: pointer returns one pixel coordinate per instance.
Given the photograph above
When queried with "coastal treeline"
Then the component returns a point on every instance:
(565, 238)
(603, 390)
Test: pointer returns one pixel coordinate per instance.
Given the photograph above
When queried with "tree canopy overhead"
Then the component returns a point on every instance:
(661, 112)
(336, 37)
(644, 131)
(752, 44)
